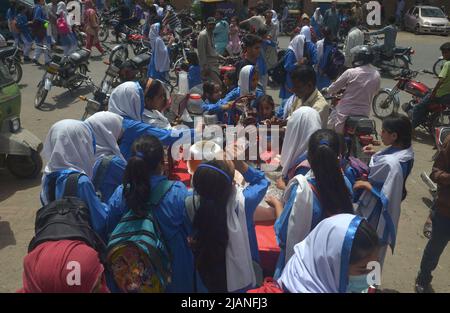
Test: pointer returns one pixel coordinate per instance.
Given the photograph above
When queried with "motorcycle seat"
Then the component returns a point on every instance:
(362, 123)
(80, 56)
(6, 52)
(401, 50)
(141, 59)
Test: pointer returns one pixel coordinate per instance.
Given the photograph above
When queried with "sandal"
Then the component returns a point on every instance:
(427, 228)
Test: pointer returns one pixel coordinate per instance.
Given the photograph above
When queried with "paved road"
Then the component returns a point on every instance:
(19, 199)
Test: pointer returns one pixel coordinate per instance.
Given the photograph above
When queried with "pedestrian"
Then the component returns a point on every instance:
(39, 30)
(109, 163)
(333, 258)
(331, 19)
(47, 268)
(325, 48)
(313, 196)
(70, 148)
(234, 41)
(440, 234)
(207, 54)
(24, 31)
(317, 22)
(224, 237)
(144, 177)
(159, 64)
(385, 189)
(354, 38)
(155, 102)
(64, 29)
(251, 45)
(221, 32)
(11, 14)
(92, 27)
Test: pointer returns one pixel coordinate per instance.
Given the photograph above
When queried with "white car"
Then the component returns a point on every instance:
(426, 19)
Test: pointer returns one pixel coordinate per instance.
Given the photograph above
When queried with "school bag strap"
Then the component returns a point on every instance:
(101, 171)
(158, 193)
(71, 188)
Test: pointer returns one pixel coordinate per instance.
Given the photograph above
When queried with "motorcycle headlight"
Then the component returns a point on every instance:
(14, 125)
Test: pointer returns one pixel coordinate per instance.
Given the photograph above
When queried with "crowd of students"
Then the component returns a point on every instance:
(329, 224)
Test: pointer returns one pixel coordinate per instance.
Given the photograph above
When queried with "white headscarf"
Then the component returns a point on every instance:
(297, 45)
(61, 7)
(245, 78)
(127, 100)
(306, 31)
(70, 144)
(159, 49)
(239, 264)
(386, 170)
(318, 16)
(274, 17)
(107, 128)
(321, 261)
(301, 125)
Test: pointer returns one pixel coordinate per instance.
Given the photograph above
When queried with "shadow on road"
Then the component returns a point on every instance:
(9, 184)
(423, 137)
(6, 235)
(66, 98)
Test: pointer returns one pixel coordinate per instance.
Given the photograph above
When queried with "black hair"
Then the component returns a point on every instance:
(323, 155)
(250, 40)
(136, 179)
(231, 75)
(208, 89)
(222, 14)
(261, 100)
(391, 19)
(445, 47)
(21, 8)
(192, 58)
(351, 22)
(153, 89)
(210, 224)
(365, 242)
(36, 1)
(304, 74)
(401, 125)
(262, 32)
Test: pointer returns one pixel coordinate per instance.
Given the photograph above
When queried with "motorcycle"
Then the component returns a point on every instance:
(11, 57)
(359, 131)
(438, 65)
(106, 22)
(129, 37)
(98, 103)
(441, 133)
(387, 102)
(66, 72)
(19, 149)
(116, 72)
(395, 63)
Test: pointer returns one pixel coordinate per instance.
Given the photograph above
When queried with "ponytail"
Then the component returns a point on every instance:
(148, 154)
(213, 184)
(323, 151)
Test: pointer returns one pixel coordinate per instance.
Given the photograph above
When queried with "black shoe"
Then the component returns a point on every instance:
(35, 62)
(26, 59)
(421, 287)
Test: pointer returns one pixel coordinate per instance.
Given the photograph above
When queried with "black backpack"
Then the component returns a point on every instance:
(65, 219)
(278, 73)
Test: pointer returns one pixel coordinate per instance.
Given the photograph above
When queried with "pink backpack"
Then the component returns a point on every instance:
(62, 26)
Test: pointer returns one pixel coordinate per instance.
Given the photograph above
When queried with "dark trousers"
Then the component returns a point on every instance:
(440, 236)
(420, 110)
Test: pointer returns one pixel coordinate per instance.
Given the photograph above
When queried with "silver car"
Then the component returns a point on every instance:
(426, 19)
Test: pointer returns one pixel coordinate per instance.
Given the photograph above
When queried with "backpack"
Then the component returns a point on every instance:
(101, 173)
(66, 218)
(278, 73)
(335, 63)
(137, 255)
(62, 26)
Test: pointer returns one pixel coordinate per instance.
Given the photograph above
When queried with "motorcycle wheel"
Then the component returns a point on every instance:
(25, 166)
(383, 104)
(103, 33)
(398, 64)
(15, 70)
(437, 67)
(118, 54)
(82, 69)
(437, 120)
(41, 94)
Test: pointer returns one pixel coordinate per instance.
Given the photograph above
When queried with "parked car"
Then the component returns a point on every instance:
(427, 19)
